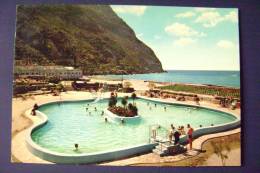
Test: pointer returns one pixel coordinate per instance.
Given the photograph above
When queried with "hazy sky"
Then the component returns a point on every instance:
(187, 38)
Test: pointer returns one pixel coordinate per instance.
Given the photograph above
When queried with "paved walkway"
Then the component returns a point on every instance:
(154, 158)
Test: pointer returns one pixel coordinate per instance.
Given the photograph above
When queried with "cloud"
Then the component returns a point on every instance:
(185, 14)
(182, 30)
(201, 9)
(184, 41)
(209, 19)
(130, 9)
(212, 18)
(226, 44)
(232, 16)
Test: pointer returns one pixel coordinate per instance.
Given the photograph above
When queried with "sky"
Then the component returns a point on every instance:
(187, 38)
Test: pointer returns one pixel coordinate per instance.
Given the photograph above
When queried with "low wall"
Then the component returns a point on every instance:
(212, 129)
(117, 119)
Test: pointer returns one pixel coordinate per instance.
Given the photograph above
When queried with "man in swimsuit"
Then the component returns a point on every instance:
(190, 132)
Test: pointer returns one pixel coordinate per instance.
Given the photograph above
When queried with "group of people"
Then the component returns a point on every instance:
(176, 133)
(95, 109)
(155, 105)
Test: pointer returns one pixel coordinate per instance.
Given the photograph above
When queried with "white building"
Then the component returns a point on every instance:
(48, 71)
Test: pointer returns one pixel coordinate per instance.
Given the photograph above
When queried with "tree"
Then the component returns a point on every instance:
(133, 97)
(124, 102)
(221, 149)
(112, 101)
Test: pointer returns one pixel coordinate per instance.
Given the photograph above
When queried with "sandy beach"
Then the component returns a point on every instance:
(20, 124)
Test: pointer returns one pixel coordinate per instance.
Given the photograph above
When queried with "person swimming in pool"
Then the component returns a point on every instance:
(76, 146)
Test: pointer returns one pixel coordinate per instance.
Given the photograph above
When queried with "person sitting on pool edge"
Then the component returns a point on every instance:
(35, 107)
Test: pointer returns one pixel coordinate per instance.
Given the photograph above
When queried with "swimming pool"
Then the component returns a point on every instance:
(71, 122)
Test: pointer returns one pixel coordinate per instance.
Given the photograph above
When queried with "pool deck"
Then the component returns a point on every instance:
(21, 122)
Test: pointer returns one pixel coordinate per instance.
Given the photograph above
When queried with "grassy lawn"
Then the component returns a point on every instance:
(207, 90)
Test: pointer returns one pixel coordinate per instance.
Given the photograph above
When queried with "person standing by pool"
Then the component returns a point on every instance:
(176, 135)
(190, 132)
(171, 132)
(182, 131)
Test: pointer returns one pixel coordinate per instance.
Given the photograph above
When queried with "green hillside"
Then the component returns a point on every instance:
(91, 37)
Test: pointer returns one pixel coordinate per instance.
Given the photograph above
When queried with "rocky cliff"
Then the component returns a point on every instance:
(91, 37)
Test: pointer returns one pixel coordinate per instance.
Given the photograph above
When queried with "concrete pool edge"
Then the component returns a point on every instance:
(115, 154)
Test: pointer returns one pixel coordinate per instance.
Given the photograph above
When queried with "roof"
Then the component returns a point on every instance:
(34, 67)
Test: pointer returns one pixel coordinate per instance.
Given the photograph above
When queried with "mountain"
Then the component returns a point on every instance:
(91, 37)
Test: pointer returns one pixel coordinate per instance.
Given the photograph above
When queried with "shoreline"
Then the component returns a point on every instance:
(118, 77)
(105, 78)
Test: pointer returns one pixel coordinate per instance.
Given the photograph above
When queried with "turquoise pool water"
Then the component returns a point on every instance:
(70, 123)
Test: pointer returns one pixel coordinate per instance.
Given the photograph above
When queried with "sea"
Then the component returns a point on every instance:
(220, 78)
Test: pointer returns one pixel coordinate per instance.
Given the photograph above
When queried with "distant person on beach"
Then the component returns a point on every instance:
(190, 133)
(197, 100)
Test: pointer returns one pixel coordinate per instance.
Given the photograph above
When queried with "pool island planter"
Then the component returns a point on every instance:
(97, 157)
(111, 117)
